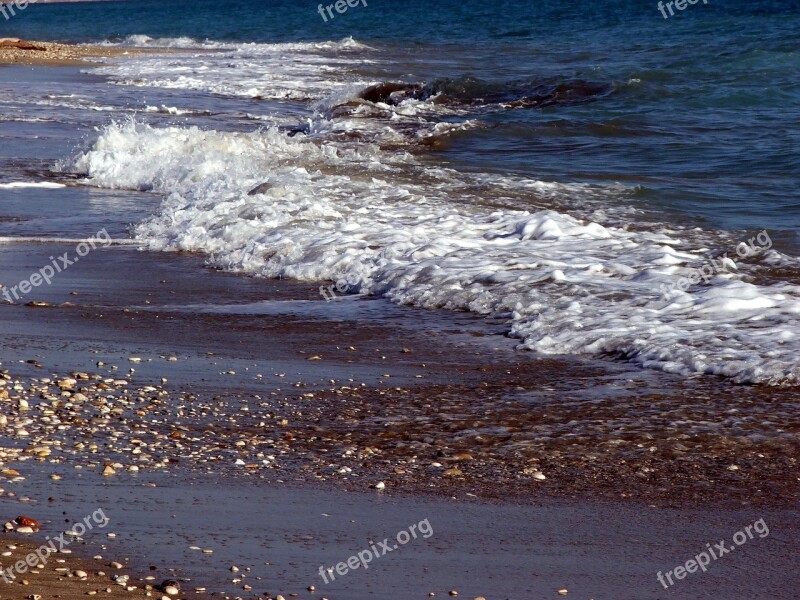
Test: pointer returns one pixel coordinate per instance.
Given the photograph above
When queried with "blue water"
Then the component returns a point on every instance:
(705, 119)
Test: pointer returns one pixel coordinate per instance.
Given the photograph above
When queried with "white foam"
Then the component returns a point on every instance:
(437, 238)
(289, 71)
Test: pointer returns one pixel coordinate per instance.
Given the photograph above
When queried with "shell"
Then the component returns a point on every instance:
(27, 522)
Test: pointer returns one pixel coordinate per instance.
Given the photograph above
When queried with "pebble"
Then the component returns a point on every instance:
(170, 587)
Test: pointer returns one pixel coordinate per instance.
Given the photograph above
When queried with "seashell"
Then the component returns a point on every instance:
(27, 522)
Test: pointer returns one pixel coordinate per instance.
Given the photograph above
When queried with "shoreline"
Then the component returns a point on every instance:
(401, 411)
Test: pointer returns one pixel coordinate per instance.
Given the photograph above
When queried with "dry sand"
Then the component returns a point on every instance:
(14, 51)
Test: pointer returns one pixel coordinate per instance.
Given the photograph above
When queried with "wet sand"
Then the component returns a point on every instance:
(278, 537)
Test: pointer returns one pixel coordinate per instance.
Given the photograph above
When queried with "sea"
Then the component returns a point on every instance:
(603, 179)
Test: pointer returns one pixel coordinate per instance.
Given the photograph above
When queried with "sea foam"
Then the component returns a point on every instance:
(437, 238)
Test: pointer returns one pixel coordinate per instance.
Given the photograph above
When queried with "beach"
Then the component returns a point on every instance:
(300, 423)
(296, 312)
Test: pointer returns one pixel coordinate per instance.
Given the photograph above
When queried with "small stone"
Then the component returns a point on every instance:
(453, 592)
(170, 587)
(108, 470)
(733, 468)
(380, 486)
(115, 565)
(37, 304)
(81, 574)
(67, 383)
(563, 592)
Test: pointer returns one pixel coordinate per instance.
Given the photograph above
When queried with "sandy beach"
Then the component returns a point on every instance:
(23, 52)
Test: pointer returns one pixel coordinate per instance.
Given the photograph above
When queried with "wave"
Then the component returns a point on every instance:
(570, 274)
(188, 43)
(470, 91)
(284, 71)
